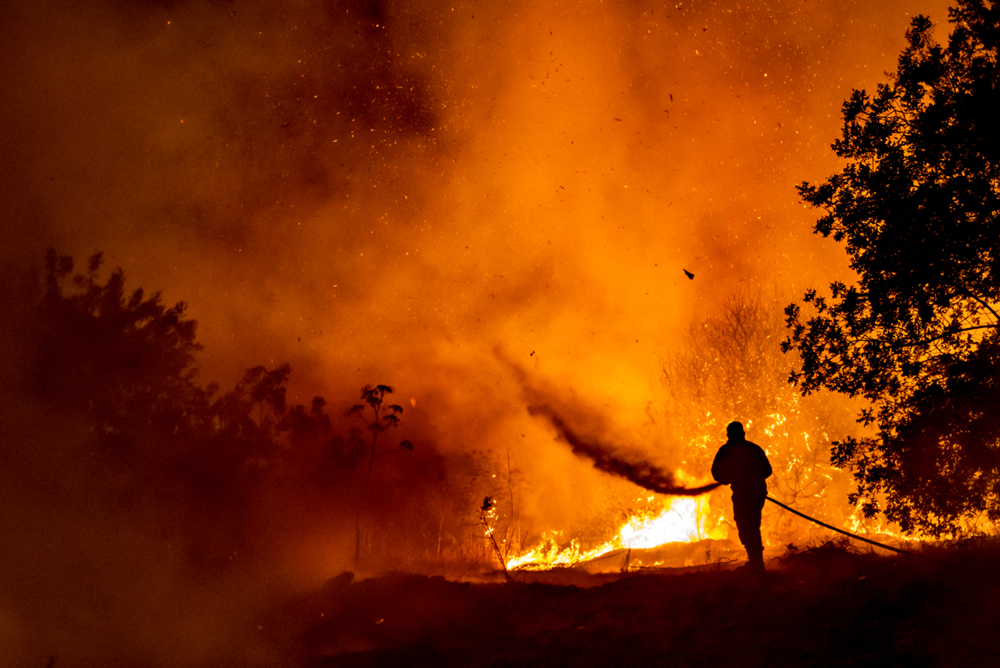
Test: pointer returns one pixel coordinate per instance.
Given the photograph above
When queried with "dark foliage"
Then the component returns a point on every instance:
(917, 209)
(126, 362)
(384, 417)
(114, 373)
(123, 366)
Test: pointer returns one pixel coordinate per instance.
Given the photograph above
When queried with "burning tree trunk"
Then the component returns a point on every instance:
(485, 512)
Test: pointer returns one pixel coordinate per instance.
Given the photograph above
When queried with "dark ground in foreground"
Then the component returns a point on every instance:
(825, 606)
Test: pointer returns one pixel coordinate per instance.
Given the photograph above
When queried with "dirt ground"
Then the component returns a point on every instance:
(825, 606)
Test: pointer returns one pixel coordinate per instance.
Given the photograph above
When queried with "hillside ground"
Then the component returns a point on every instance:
(824, 606)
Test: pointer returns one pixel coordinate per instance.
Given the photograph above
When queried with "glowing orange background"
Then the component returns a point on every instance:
(392, 192)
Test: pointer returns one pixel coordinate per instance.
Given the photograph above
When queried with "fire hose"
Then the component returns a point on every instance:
(653, 478)
(833, 528)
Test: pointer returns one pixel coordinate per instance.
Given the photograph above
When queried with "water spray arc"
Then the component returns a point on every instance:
(653, 478)
(644, 474)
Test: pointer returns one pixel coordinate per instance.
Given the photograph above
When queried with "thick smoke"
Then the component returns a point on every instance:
(644, 474)
(383, 192)
(359, 187)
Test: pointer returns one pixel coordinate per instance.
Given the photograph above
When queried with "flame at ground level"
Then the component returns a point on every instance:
(679, 520)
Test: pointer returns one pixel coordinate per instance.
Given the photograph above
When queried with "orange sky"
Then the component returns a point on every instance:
(391, 192)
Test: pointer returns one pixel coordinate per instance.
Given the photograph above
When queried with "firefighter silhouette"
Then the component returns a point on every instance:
(744, 467)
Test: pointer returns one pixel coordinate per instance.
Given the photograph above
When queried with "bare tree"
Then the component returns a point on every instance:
(731, 368)
(384, 417)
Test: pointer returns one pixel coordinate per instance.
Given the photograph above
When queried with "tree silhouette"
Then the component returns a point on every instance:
(249, 418)
(115, 370)
(917, 336)
(384, 417)
(127, 363)
(487, 514)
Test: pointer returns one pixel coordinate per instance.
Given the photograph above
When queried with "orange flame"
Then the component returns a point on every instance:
(675, 520)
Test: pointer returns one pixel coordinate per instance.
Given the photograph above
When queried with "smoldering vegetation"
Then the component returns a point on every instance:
(150, 517)
(147, 518)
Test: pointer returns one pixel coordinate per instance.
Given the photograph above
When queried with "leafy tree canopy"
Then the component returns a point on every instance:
(916, 206)
(114, 373)
(125, 359)
(126, 363)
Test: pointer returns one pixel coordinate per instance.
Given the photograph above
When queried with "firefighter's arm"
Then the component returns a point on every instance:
(720, 469)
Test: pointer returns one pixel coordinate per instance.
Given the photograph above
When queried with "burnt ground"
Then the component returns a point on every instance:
(825, 606)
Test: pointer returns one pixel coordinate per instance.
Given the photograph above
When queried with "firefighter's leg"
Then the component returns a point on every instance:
(747, 513)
